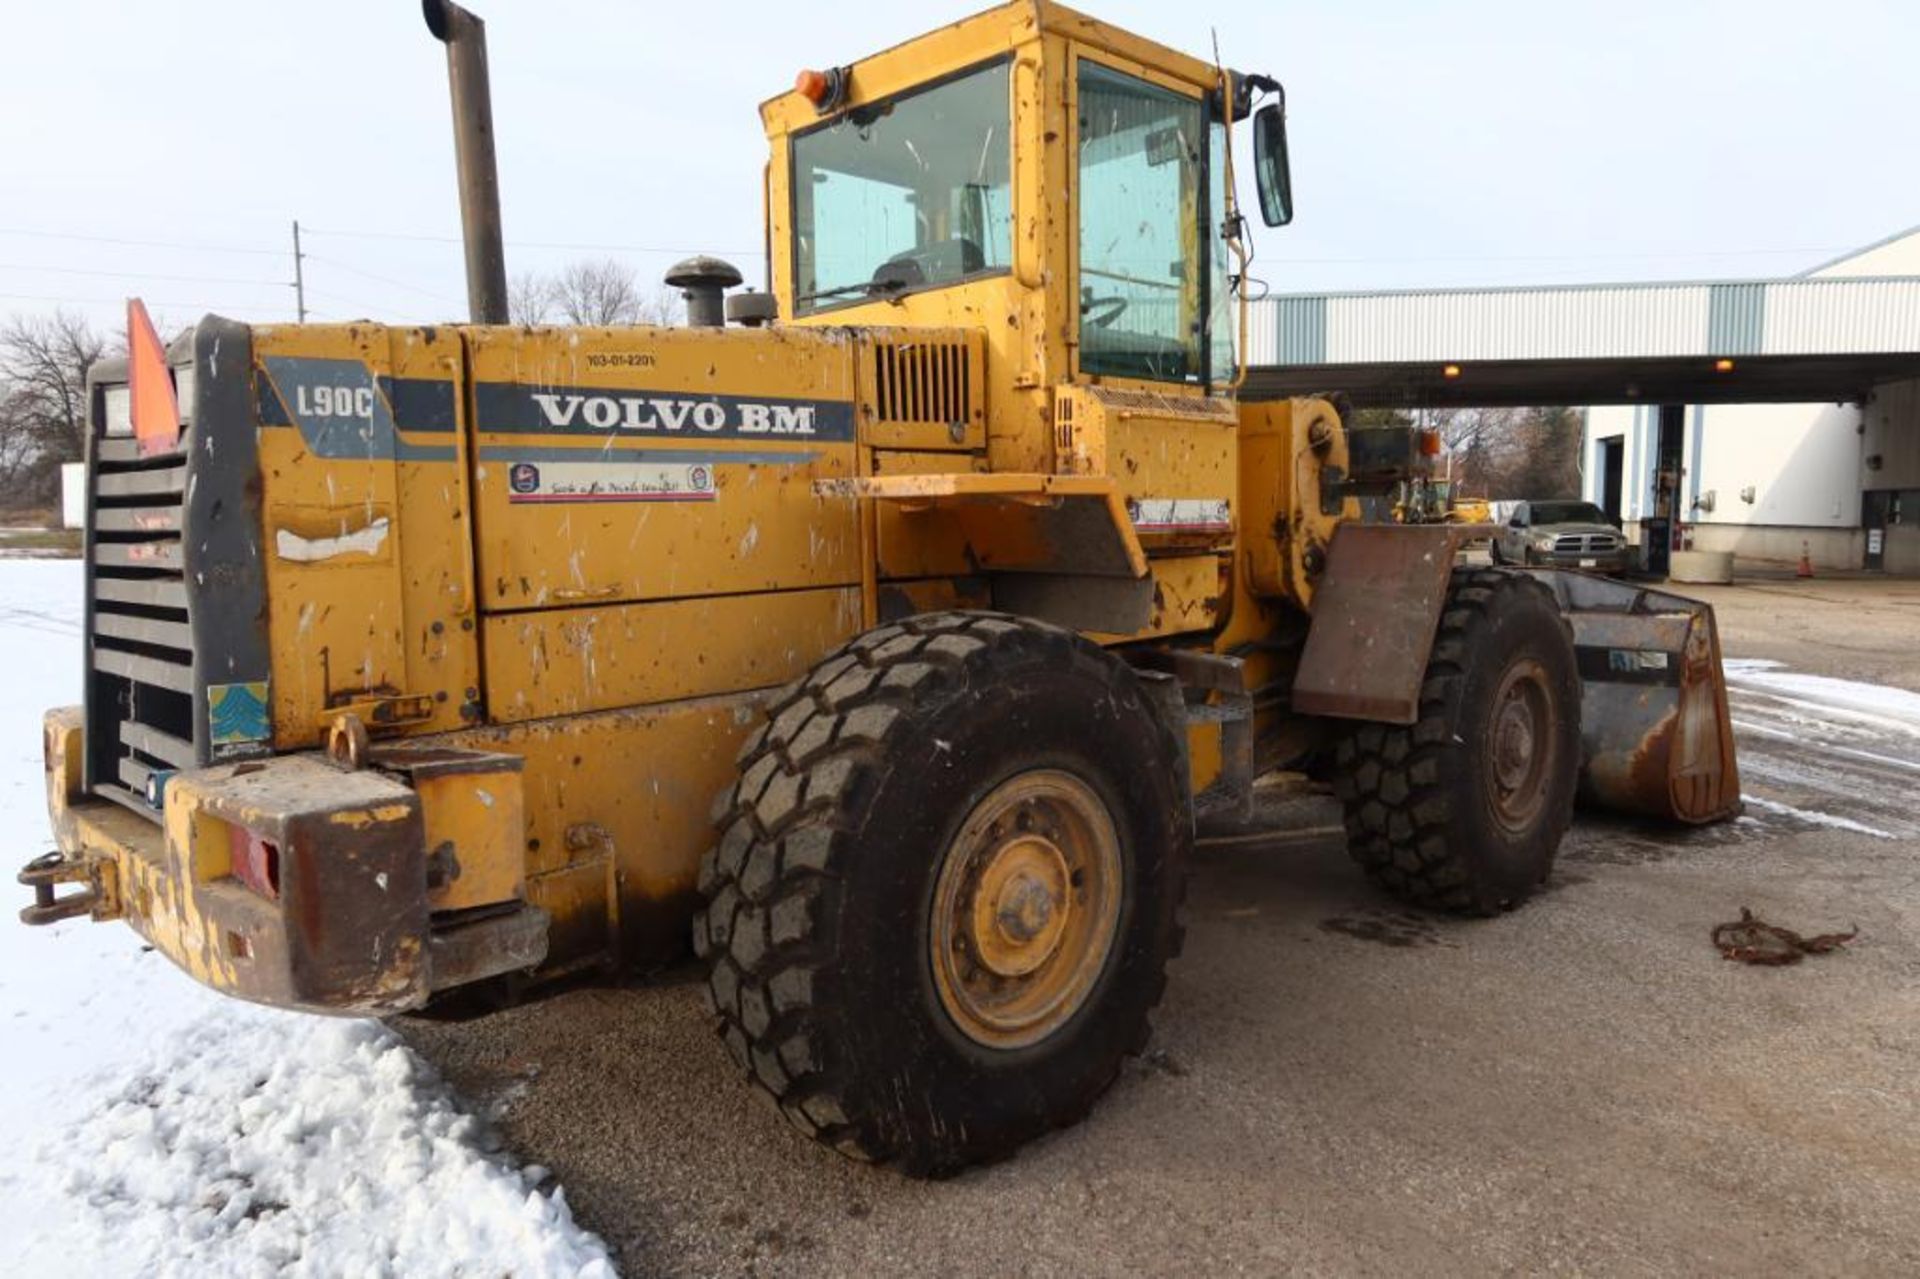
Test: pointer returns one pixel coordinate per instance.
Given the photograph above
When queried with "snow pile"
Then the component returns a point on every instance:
(153, 1127)
(265, 1142)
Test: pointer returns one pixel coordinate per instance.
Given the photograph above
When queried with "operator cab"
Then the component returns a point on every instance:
(1034, 173)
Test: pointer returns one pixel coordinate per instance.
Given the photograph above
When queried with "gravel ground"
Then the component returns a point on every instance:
(1339, 1085)
(1856, 627)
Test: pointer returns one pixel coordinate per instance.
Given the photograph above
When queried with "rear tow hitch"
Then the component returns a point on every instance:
(46, 872)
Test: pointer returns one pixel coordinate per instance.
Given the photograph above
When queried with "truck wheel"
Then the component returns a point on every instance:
(944, 893)
(1463, 810)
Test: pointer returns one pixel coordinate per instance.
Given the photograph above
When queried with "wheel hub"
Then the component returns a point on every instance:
(1513, 749)
(1025, 908)
(1519, 746)
(1020, 906)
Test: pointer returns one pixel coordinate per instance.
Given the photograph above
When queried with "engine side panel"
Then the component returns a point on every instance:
(619, 465)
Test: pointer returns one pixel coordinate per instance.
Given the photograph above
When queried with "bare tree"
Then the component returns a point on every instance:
(530, 298)
(602, 292)
(1512, 453)
(43, 369)
(43, 379)
(19, 453)
(607, 292)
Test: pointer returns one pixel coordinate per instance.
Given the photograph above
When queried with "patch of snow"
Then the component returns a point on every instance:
(1831, 748)
(156, 1128)
(1818, 819)
(1876, 704)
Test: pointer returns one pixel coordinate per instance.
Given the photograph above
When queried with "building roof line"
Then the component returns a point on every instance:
(1862, 251)
(1469, 289)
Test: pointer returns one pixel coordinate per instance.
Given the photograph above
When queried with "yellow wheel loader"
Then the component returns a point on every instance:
(951, 562)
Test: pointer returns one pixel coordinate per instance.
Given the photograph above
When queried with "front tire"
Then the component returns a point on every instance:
(944, 893)
(1464, 809)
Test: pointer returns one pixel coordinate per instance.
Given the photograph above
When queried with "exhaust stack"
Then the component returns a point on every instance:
(466, 39)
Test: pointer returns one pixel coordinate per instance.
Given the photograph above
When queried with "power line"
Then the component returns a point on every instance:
(355, 303)
(756, 251)
(202, 247)
(141, 244)
(141, 275)
(68, 299)
(383, 279)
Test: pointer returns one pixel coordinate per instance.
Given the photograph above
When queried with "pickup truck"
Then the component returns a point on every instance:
(1564, 534)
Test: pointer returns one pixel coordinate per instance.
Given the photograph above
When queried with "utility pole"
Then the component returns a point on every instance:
(299, 276)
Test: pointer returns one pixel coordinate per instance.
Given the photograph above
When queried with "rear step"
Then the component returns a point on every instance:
(1206, 688)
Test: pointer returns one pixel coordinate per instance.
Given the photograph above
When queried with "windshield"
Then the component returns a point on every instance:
(1567, 513)
(909, 193)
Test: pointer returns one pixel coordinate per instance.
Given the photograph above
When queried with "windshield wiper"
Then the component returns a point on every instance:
(872, 288)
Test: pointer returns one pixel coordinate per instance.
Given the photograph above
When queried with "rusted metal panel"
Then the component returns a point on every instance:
(1656, 734)
(334, 918)
(474, 950)
(1375, 611)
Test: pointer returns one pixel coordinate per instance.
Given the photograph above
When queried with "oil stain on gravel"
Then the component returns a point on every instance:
(1397, 928)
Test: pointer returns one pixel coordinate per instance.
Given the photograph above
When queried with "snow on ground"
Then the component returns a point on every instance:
(1819, 751)
(1825, 697)
(152, 1127)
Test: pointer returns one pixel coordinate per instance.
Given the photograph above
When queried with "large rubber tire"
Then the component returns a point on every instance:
(820, 893)
(1428, 814)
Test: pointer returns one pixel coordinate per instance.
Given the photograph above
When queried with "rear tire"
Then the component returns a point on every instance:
(1464, 809)
(944, 893)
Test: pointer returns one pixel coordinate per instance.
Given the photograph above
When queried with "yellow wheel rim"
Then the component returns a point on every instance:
(1025, 908)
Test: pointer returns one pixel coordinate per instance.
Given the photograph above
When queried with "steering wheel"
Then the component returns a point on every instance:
(1102, 312)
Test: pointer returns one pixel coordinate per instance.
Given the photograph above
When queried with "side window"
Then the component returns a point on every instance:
(1140, 164)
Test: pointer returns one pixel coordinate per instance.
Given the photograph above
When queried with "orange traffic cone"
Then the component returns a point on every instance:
(1806, 562)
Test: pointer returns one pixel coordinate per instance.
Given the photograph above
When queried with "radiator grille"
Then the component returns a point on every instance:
(140, 717)
(1586, 543)
(922, 382)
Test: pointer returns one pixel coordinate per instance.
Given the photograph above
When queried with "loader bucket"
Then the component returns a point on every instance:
(1656, 736)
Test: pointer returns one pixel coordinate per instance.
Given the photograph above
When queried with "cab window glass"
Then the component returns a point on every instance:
(1140, 169)
(909, 193)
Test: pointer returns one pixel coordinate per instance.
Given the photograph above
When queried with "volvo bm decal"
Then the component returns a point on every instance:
(518, 408)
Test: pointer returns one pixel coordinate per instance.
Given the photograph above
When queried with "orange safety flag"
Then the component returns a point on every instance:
(155, 411)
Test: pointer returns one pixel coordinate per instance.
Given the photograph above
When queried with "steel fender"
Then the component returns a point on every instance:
(1375, 612)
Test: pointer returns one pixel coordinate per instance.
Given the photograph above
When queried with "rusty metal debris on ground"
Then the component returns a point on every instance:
(1754, 941)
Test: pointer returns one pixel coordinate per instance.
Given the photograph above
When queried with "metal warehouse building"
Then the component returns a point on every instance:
(1761, 415)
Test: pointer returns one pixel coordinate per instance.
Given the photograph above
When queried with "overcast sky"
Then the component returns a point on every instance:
(1481, 141)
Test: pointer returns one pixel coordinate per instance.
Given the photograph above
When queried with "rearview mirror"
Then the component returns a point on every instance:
(1270, 168)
